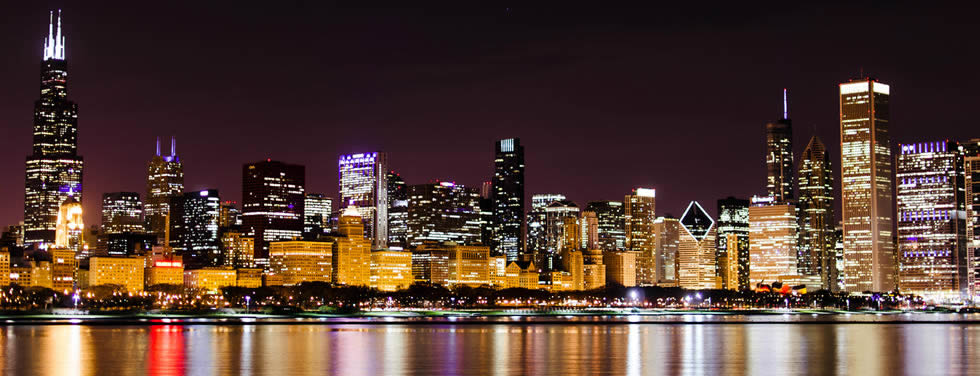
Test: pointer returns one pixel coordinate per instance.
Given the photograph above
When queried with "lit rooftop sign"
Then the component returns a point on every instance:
(646, 192)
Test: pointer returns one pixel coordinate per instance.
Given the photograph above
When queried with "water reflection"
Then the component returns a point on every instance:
(582, 349)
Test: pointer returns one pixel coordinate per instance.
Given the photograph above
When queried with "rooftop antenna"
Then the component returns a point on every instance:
(173, 146)
(158, 146)
(785, 106)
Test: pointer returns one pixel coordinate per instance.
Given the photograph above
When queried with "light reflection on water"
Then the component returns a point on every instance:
(504, 349)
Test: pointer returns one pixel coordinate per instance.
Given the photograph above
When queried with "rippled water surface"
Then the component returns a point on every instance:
(494, 349)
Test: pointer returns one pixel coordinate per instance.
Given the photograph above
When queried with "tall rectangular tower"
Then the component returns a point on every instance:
(54, 168)
(640, 215)
(733, 242)
(971, 166)
(779, 157)
(364, 185)
(816, 215)
(273, 203)
(508, 199)
(866, 187)
(164, 182)
(932, 250)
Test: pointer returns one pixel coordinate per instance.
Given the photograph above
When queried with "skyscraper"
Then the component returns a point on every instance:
(932, 252)
(640, 215)
(363, 184)
(194, 228)
(772, 242)
(443, 212)
(54, 168)
(816, 211)
(122, 212)
(971, 166)
(667, 233)
(779, 156)
(164, 181)
(273, 200)
(317, 209)
(696, 261)
(866, 187)
(398, 210)
(611, 219)
(508, 199)
(536, 239)
(733, 219)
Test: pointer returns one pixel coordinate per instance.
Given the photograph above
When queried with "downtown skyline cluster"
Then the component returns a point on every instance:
(908, 221)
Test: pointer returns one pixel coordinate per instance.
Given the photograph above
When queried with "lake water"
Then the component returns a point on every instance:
(494, 349)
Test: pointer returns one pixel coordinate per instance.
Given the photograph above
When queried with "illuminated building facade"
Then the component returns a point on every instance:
(211, 279)
(391, 270)
(932, 251)
(164, 182)
(4, 268)
(640, 215)
(779, 157)
(611, 218)
(229, 216)
(621, 267)
(164, 269)
(733, 243)
(398, 211)
(772, 243)
(54, 168)
(559, 216)
(194, 228)
(363, 184)
(522, 274)
(69, 228)
(589, 223)
(536, 239)
(317, 209)
(122, 212)
(443, 212)
(301, 261)
(866, 187)
(696, 261)
(123, 271)
(352, 251)
(238, 249)
(507, 199)
(816, 215)
(667, 240)
(273, 200)
(971, 166)
(64, 269)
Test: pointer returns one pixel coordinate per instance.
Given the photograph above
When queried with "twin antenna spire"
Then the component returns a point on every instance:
(54, 44)
(173, 146)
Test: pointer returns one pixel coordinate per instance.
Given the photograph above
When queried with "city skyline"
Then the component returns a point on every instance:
(108, 136)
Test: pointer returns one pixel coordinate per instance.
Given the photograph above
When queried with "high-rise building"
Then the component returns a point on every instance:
(866, 187)
(363, 184)
(194, 228)
(667, 240)
(816, 210)
(508, 199)
(351, 251)
(164, 182)
(298, 261)
(317, 209)
(932, 252)
(971, 167)
(733, 220)
(621, 267)
(229, 216)
(237, 249)
(122, 212)
(443, 212)
(54, 168)
(398, 211)
(611, 218)
(590, 230)
(391, 270)
(772, 242)
(273, 201)
(696, 261)
(536, 239)
(554, 227)
(779, 157)
(640, 215)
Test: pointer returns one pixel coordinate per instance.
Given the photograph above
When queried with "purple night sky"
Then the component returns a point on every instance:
(603, 100)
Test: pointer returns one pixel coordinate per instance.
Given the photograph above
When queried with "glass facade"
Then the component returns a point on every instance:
(194, 229)
(611, 218)
(122, 212)
(971, 166)
(363, 185)
(397, 210)
(932, 250)
(733, 224)
(164, 182)
(273, 201)
(779, 158)
(443, 212)
(816, 210)
(696, 261)
(640, 215)
(317, 209)
(508, 199)
(54, 168)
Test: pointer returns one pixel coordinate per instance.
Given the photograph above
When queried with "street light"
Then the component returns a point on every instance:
(248, 299)
(75, 298)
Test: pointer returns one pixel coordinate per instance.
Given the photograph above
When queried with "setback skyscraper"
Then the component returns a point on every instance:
(779, 157)
(363, 184)
(816, 213)
(866, 187)
(54, 168)
(696, 261)
(508, 199)
(164, 182)
(273, 201)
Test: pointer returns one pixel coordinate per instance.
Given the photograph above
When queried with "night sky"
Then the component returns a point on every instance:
(604, 100)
